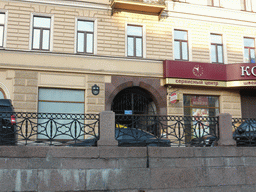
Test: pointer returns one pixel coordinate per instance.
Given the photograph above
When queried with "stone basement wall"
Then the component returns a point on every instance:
(125, 169)
(112, 168)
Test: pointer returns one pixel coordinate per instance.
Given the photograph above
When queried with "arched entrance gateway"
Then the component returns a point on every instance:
(134, 101)
(134, 108)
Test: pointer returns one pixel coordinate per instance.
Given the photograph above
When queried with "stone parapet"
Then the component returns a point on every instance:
(109, 168)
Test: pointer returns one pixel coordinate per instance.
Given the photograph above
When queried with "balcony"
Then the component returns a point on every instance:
(150, 7)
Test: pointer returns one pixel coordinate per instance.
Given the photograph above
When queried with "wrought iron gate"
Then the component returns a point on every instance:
(133, 103)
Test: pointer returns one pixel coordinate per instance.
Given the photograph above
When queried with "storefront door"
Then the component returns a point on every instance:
(248, 102)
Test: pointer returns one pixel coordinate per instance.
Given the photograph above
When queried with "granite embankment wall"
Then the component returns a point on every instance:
(108, 167)
(127, 169)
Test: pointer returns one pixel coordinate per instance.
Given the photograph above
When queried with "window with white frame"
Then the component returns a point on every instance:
(180, 45)
(52, 100)
(246, 5)
(134, 41)
(216, 48)
(249, 50)
(85, 36)
(41, 33)
(2, 28)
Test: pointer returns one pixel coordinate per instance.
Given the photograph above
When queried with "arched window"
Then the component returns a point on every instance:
(2, 95)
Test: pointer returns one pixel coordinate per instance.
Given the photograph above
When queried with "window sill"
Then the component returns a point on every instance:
(80, 53)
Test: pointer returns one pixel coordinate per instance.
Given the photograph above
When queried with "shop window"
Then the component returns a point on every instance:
(134, 41)
(59, 101)
(2, 28)
(180, 45)
(41, 33)
(2, 95)
(216, 48)
(205, 106)
(85, 36)
(249, 50)
(201, 105)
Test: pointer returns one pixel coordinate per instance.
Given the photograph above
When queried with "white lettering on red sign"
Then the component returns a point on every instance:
(247, 70)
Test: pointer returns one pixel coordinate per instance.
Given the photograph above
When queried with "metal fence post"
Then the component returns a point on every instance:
(107, 129)
(225, 130)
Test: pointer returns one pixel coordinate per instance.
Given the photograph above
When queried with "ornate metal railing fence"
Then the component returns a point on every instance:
(178, 130)
(21, 128)
(244, 131)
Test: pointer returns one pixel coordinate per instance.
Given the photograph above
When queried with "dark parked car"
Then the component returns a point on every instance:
(204, 141)
(129, 137)
(137, 137)
(245, 134)
(7, 123)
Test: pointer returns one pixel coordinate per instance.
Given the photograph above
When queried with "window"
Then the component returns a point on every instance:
(85, 36)
(215, 3)
(243, 5)
(134, 41)
(199, 105)
(249, 50)
(216, 48)
(41, 33)
(246, 5)
(2, 23)
(180, 45)
(2, 95)
(59, 101)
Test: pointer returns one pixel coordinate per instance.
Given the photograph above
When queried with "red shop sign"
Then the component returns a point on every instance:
(200, 100)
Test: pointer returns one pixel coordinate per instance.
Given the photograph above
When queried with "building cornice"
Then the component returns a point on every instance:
(60, 62)
(210, 14)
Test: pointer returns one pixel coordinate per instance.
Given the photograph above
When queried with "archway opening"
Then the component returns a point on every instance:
(2, 95)
(135, 108)
(134, 101)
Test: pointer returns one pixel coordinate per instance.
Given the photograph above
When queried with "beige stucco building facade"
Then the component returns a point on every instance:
(120, 59)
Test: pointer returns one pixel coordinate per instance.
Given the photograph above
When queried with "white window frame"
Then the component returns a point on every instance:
(189, 43)
(248, 5)
(225, 55)
(31, 31)
(249, 37)
(143, 39)
(5, 27)
(95, 32)
(58, 101)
